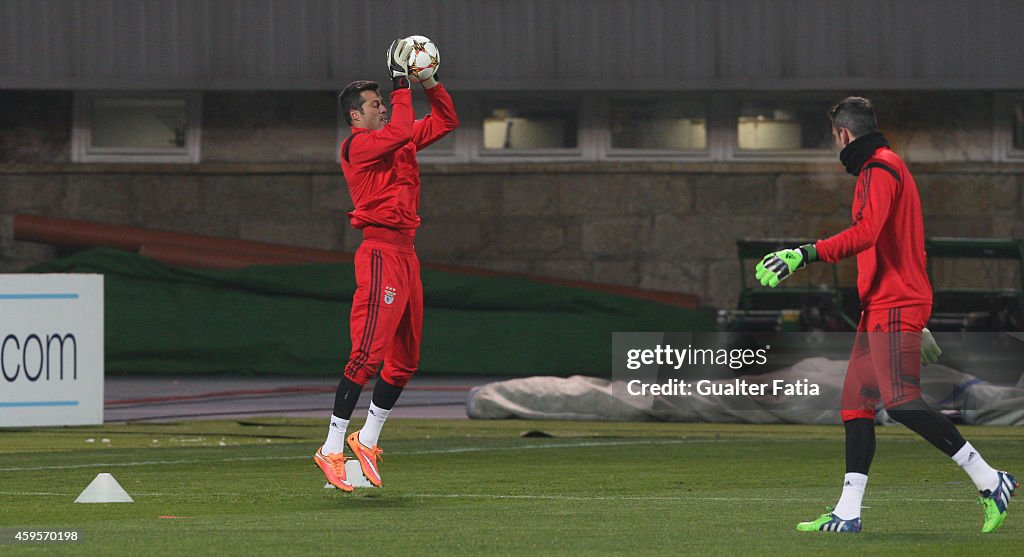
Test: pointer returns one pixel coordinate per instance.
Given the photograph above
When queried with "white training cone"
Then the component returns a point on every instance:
(104, 489)
(354, 474)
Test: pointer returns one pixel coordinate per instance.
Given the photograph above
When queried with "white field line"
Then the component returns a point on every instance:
(32, 493)
(46, 493)
(656, 498)
(457, 450)
(551, 497)
(144, 463)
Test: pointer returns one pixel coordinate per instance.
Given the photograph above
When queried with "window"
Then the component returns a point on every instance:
(1008, 136)
(511, 127)
(130, 127)
(658, 126)
(785, 127)
(715, 126)
(1018, 126)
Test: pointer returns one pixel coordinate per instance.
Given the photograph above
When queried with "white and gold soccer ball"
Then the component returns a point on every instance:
(424, 60)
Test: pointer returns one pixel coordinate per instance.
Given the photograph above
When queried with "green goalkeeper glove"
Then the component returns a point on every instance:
(777, 266)
(930, 351)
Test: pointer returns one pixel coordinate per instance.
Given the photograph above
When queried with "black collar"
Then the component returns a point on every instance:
(860, 150)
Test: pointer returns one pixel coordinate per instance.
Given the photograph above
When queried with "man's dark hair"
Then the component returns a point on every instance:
(856, 114)
(351, 97)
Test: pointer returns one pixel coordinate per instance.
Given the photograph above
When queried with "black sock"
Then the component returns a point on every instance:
(860, 445)
(346, 398)
(385, 395)
(929, 423)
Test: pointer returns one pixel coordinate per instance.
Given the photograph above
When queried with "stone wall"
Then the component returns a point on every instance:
(674, 227)
(649, 225)
(267, 174)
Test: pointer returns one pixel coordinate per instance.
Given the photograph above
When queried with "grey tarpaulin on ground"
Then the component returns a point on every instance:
(590, 398)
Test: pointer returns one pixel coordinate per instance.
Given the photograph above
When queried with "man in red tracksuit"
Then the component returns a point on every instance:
(379, 163)
(887, 236)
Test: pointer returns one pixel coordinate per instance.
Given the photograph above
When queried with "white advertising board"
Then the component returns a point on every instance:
(51, 350)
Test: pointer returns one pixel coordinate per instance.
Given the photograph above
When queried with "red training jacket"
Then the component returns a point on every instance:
(380, 166)
(887, 235)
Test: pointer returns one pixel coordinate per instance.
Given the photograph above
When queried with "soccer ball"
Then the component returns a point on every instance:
(424, 60)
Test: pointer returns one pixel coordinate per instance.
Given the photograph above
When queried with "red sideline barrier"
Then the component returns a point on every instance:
(195, 250)
(83, 234)
(191, 256)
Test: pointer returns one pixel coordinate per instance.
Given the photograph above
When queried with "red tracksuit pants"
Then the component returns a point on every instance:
(885, 364)
(387, 313)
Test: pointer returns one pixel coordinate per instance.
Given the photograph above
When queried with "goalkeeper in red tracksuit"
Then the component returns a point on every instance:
(887, 236)
(379, 163)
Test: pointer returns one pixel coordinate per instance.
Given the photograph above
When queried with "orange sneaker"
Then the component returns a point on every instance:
(367, 458)
(333, 466)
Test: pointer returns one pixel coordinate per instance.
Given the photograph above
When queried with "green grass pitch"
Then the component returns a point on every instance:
(480, 488)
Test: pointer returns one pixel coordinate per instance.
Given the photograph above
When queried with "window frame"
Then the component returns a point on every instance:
(732, 148)
(1002, 128)
(584, 143)
(609, 152)
(723, 108)
(82, 150)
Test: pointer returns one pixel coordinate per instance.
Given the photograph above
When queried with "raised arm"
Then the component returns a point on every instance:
(367, 147)
(441, 120)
